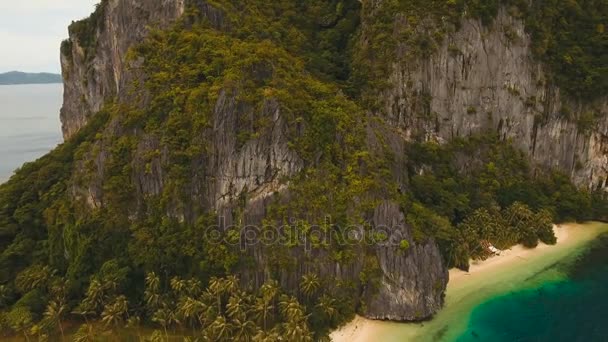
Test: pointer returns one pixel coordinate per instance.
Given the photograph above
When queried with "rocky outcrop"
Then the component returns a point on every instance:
(229, 168)
(93, 74)
(258, 165)
(490, 83)
(97, 69)
(409, 286)
(484, 78)
(413, 280)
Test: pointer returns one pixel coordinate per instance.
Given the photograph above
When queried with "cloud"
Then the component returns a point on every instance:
(31, 32)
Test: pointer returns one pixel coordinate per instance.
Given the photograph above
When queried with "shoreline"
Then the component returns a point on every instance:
(513, 269)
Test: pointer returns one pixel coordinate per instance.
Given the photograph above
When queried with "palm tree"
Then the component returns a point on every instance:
(261, 310)
(152, 282)
(5, 295)
(270, 290)
(86, 333)
(114, 313)
(39, 331)
(109, 286)
(244, 329)
(165, 317)
(221, 329)
(157, 336)
(194, 287)
(94, 299)
(297, 331)
(21, 321)
(152, 292)
(134, 322)
(267, 336)
(217, 289)
(54, 313)
(58, 289)
(235, 307)
(232, 284)
(310, 284)
(178, 286)
(291, 308)
(327, 305)
(191, 310)
(34, 277)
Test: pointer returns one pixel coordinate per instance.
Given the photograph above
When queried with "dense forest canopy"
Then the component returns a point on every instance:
(132, 261)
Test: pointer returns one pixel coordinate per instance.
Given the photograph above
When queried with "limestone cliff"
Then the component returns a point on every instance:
(490, 83)
(93, 74)
(413, 282)
(95, 70)
(484, 77)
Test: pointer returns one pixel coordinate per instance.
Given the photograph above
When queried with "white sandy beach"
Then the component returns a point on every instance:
(465, 290)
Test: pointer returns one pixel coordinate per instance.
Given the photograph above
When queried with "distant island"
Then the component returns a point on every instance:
(16, 77)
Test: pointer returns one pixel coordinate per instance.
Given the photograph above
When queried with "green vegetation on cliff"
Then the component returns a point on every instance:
(86, 31)
(481, 190)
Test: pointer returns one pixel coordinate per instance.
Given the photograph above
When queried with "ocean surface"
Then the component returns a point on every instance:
(570, 307)
(29, 124)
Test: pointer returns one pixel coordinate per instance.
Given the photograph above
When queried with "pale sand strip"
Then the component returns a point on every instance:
(466, 289)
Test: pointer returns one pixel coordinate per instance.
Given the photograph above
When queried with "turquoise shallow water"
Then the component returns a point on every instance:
(574, 308)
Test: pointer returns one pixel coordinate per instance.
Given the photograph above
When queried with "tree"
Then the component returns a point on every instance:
(54, 313)
(34, 277)
(193, 287)
(20, 320)
(94, 300)
(267, 336)
(310, 284)
(220, 329)
(114, 313)
(262, 309)
(270, 290)
(521, 219)
(152, 292)
(236, 307)
(5, 296)
(192, 311)
(219, 287)
(543, 220)
(86, 333)
(178, 286)
(134, 322)
(166, 318)
(244, 329)
(290, 308)
(216, 288)
(296, 330)
(327, 305)
(231, 284)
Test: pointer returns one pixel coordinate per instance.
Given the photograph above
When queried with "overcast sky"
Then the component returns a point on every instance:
(31, 32)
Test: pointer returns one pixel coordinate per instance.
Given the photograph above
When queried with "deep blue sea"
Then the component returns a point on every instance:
(572, 309)
(29, 124)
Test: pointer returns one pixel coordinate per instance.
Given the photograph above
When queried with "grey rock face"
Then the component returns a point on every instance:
(410, 285)
(481, 80)
(255, 167)
(90, 79)
(413, 281)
